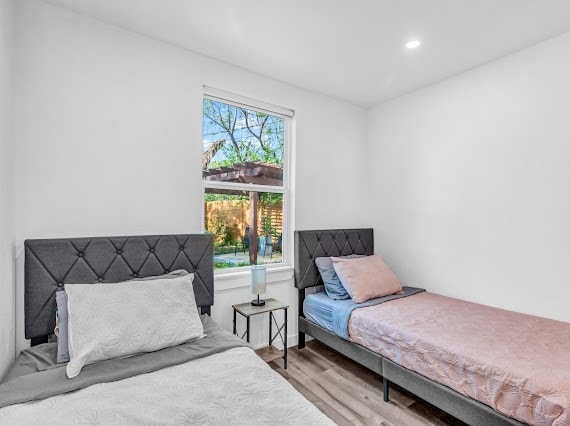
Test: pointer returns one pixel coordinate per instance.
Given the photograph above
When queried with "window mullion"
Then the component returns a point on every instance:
(248, 187)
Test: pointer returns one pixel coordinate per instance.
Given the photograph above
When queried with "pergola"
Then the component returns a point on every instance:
(254, 172)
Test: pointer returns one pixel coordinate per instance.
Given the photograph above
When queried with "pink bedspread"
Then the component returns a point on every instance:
(518, 364)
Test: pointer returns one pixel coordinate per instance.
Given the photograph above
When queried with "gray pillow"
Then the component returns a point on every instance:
(62, 314)
(61, 327)
(333, 287)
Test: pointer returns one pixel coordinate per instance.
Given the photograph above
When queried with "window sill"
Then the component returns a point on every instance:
(241, 278)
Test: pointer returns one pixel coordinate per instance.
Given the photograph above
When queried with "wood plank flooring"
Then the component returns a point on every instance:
(348, 393)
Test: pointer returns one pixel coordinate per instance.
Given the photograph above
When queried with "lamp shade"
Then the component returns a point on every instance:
(258, 280)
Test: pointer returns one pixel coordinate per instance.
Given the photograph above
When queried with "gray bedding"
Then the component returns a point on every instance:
(37, 376)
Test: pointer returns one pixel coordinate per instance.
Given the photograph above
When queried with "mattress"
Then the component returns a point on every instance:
(518, 364)
(318, 308)
(234, 387)
(214, 380)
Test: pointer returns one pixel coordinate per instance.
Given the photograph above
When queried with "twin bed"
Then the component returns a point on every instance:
(485, 366)
(216, 379)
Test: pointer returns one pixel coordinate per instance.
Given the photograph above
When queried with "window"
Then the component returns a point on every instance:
(245, 178)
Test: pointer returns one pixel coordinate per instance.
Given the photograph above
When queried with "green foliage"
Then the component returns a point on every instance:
(228, 264)
(224, 233)
(224, 197)
(266, 226)
(266, 198)
(222, 249)
(248, 135)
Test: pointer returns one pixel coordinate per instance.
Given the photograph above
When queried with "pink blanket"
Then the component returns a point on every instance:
(518, 364)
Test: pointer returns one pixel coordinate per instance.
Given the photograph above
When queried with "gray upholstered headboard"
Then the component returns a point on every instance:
(50, 263)
(330, 242)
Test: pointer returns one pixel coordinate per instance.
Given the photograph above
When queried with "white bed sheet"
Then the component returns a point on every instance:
(234, 387)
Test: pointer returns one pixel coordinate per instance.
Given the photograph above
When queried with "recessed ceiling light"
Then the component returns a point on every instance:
(412, 44)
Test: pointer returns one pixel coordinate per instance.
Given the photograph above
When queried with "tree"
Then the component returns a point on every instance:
(240, 135)
(211, 152)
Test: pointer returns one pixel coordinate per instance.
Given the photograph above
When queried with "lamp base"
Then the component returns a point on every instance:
(258, 302)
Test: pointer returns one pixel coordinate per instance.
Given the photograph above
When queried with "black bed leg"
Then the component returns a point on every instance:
(301, 302)
(386, 389)
(301, 343)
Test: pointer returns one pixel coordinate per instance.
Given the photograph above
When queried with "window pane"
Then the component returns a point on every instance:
(237, 243)
(241, 145)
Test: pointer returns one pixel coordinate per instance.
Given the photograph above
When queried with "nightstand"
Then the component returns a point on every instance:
(247, 310)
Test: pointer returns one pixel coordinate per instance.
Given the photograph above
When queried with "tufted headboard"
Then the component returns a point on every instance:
(50, 263)
(331, 242)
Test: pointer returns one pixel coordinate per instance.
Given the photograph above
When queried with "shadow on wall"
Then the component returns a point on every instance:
(21, 342)
(8, 318)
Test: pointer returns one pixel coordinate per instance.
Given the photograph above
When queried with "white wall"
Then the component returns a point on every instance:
(471, 182)
(7, 290)
(108, 141)
(467, 186)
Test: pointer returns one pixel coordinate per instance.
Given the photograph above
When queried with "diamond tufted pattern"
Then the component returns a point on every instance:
(332, 242)
(50, 263)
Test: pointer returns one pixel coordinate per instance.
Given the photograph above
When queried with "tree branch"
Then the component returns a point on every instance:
(211, 152)
(228, 127)
(259, 138)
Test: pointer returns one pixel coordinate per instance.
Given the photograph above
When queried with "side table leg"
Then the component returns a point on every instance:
(285, 343)
(235, 327)
(247, 332)
(270, 327)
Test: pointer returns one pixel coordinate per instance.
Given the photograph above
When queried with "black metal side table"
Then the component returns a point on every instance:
(247, 310)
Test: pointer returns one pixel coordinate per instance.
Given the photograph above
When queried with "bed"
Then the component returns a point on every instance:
(213, 379)
(489, 367)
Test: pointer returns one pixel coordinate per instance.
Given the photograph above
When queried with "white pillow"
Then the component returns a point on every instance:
(116, 320)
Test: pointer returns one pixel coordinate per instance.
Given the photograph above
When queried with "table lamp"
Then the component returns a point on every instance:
(258, 284)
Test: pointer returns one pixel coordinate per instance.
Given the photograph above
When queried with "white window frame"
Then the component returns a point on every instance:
(287, 114)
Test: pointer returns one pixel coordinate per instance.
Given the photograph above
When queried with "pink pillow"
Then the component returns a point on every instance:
(367, 277)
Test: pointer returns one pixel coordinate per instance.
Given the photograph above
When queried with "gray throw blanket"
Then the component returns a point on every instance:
(36, 375)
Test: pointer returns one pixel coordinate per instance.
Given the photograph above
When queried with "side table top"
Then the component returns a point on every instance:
(247, 309)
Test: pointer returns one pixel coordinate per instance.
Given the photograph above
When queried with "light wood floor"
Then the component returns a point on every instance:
(348, 393)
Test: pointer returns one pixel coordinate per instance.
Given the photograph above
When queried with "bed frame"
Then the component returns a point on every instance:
(50, 263)
(341, 242)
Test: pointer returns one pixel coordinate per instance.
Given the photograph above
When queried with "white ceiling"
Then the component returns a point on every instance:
(350, 50)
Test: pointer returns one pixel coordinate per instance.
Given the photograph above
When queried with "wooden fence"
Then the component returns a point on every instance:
(235, 215)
